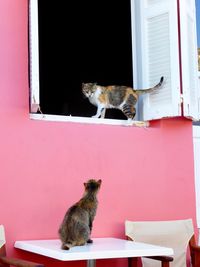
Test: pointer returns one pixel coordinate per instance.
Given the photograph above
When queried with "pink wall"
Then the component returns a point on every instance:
(147, 173)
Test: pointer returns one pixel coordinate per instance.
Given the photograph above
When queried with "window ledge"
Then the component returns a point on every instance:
(60, 118)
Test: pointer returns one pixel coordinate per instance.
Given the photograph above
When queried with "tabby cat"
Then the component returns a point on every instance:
(120, 97)
(76, 227)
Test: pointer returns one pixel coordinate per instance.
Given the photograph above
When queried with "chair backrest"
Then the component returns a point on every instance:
(174, 234)
(2, 236)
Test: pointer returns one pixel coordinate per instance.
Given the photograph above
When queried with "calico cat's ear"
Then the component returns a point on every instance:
(99, 181)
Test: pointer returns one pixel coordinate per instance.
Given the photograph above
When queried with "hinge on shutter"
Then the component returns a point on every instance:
(182, 98)
(35, 107)
(198, 108)
(181, 109)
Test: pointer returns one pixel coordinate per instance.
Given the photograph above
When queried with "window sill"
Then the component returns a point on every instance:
(45, 117)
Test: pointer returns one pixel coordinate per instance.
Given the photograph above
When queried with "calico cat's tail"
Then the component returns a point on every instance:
(149, 90)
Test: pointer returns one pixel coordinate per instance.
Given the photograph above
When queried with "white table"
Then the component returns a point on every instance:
(101, 248)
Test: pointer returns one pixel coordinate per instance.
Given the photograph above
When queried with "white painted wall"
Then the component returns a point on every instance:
(196, 141)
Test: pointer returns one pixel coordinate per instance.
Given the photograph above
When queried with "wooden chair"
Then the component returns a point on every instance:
(175, 234)
(7, 262)
(194, 252)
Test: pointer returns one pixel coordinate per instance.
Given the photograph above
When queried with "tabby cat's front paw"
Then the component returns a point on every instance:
(65, 247)
(90, 241)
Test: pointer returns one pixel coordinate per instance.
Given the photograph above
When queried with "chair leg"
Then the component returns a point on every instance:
(4, 265)
(136, 262)
(133, 262)
(3, 254)
(165, 264)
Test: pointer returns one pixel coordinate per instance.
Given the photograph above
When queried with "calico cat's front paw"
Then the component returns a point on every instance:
(130, 122)
(96, 116)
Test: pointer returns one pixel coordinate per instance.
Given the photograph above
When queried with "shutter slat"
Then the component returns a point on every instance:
(153, 2)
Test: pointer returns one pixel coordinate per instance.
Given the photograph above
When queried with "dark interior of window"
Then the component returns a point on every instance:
(82, 41)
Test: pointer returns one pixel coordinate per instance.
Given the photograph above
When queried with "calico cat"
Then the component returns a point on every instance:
(76, 227)
(120, 97)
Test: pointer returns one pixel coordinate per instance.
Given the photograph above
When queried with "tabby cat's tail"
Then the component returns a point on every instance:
(68, 245)
(149, 90)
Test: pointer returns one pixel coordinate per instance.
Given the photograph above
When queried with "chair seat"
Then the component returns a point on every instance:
(6, 261)
(175, 234)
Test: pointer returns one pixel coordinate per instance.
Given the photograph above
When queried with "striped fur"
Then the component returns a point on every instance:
(120, 97)
(76, 227)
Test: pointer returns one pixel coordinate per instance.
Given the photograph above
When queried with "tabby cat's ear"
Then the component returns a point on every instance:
(99, 181)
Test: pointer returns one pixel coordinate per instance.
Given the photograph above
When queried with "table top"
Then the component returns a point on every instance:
(101, 248)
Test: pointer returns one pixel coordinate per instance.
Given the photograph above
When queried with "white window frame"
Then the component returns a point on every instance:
(191, 96)
(34, 56)
(34, 83)
(138, 64)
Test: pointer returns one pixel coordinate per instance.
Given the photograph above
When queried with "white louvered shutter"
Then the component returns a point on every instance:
(156, 55)
(34, 56)
(189, 59)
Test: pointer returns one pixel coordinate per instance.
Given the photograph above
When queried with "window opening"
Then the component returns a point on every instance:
(84, 41)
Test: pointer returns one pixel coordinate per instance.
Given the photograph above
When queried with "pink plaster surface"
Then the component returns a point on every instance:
(147, 174)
